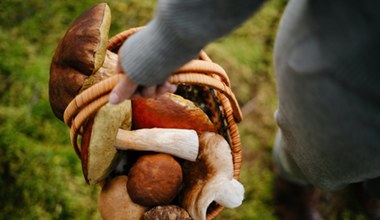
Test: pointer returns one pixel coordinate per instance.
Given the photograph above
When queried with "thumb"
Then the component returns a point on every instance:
(123, 90)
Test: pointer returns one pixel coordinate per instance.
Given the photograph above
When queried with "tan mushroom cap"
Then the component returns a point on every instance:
(98, 153)
(78, 55)
(115, 203)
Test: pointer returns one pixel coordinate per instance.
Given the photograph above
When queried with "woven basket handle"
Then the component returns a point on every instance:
(206, 80)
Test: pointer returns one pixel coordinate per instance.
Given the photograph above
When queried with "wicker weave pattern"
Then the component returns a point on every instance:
(202, 72)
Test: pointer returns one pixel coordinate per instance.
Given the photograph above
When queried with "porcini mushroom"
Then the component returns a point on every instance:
(103, 137)
(81, 57)
(169, 111)
(115, 203)
(98, 153)
(167, 212)
(210, 178)
(155, 179)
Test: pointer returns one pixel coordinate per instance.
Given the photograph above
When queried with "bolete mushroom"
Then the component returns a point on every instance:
(104, 136)
(155, 179)
(98, 154)
(115, 203)
(167, 212)
(210, 178)
(81, 57)
(169, 111)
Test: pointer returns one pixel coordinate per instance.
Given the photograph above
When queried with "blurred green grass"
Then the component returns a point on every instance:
(41, 176)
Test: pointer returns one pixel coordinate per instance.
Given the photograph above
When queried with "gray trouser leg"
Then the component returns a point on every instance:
(284, 163)
(327, 73)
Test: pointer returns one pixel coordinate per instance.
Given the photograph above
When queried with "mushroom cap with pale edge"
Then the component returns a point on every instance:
(115, 203)
(169, 111)
(100, 151)
(79, 54)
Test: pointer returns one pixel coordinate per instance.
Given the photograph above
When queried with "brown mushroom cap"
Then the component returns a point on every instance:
(78, 55)
(154, 180)
(168, 212)
(115, 203)
(169, 111)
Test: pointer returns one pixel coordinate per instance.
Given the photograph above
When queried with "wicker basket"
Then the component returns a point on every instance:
(201, 81)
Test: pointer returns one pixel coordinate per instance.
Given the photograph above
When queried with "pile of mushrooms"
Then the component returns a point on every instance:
(179, 164)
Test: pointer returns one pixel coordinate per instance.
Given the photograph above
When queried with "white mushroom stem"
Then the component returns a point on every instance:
(214, 170)
(109, 64)
(181, 143)
(226, 192)
(230, 194)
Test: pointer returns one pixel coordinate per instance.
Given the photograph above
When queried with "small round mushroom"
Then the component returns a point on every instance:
(154, 180)
(169, 111)
(115, 203)
(169, 212)
(80, 54)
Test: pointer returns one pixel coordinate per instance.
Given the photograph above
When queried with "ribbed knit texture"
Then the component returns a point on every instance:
(179, 30)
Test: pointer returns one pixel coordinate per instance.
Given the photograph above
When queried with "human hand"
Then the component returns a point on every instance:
(127, 89)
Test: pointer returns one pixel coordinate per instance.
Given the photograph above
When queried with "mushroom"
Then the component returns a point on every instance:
(169, 111)
(109, 131)
(168, 212)
(210, 178)
(115, 203)
(98, 154)
(81, 58)
(154, 179)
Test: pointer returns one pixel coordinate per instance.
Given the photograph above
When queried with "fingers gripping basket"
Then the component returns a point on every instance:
(203, 82)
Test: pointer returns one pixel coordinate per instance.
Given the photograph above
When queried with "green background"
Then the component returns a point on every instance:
(41, 177)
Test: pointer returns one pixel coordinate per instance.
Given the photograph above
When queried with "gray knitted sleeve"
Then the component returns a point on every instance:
(178, 31)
